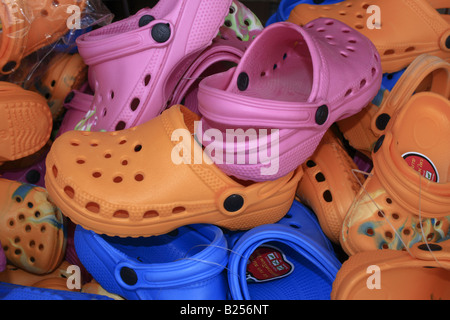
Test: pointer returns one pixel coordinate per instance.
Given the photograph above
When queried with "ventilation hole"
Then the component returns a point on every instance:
(11, 223)
(389, 52)
(32, 260)
(123, 141)
(104, 112)
(27, 228)
(41, 247)
(16, 239)
(349, 92)
(342, 13)
(94, 144)
(124, 162)
(321, 30)
(381, 214)
(247, 22)
(330, 38)
(350, 49)
(138, 148)
(55, 171)
(310, 164)
(123, 214)
(55, 3)
(147, 79)
(93, 207)
(345, 30)
(96, 174)
(151, 214)
(139, 177)
(359, 26)
(375, 56)
(388, 235)
(21, 217)
(320, 177)
(344, 54)
(81, 161)
(32, 244)
(178, 210)
(359, 16)
(134, 104)
(37, 214)
(228, 23)
(69, 192)
(30, 205)
(352, 41)
(120, 125)
(395, 216)
(369, 232)
(111, 94)
(406, 232)
(275, 66)
(108, 155)
(362, 83)
(18, 199)
(374, 71)
(388, 200)
(294, 226)
(284, 56)
(327, 196)
(329, 23)
(74, 143)
(385, 246)
(438, 223)
(44, 13)
(262, 74)
(53, 83)
(43, 229)
(17, 252)
(365, 6)
(117, 179)
(409, 49)
(430, 236)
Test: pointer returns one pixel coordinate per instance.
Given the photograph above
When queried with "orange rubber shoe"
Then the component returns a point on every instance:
(328, 185)
(406, 198)
(422, 274)
(141, 182)
(426, 73)
(33, 230)
(29, 25)
(406, 28)
(26, 122)
(65, 72)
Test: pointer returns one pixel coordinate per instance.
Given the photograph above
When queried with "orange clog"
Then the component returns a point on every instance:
(328, 185)
(65, 72)
(29, 25)
(425, 74)
(143, 181)
(33, 230)
(405, 30)
(406, 198)
(26, 122)
(421, 274)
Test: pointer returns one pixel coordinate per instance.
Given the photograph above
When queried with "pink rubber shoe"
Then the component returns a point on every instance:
(296, 80)
(137, 62)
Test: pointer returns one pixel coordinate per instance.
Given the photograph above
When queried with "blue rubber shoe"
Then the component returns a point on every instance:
(390, 79)
(186, 264)
(289, 260)
(285, 7)
(10, 291)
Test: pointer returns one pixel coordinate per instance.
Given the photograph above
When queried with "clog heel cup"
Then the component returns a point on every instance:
(153, 178)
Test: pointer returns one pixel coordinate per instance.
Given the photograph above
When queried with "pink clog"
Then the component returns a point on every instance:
(137, 62)
(290, 86)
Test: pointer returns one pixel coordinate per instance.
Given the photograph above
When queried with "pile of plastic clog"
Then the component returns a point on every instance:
(187, 152)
